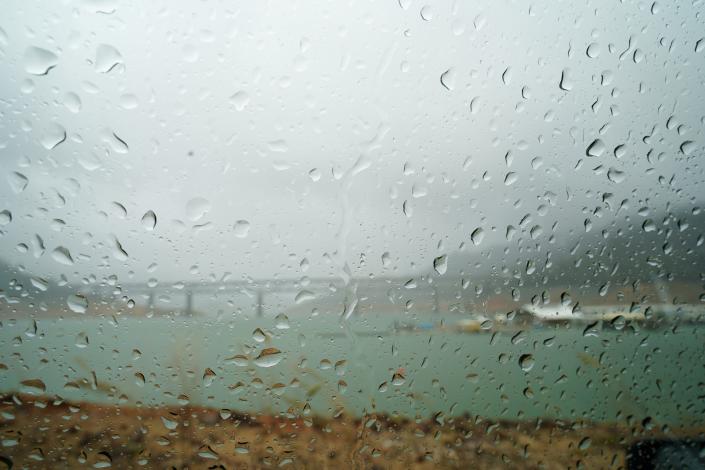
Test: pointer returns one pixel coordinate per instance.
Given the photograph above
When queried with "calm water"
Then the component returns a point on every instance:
(553, 373)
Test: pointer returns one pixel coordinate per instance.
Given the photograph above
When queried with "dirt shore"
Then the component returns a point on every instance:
(51, 434)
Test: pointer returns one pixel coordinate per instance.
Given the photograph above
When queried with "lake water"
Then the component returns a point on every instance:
(363, 366)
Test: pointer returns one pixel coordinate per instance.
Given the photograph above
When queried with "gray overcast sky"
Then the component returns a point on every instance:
(315, 121)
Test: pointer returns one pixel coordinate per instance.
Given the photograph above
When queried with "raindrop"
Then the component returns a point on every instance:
(620, 151)
(687, 147)
(208, 377)
(38, 61)
(648, 226)
(585, 443)
(62, 256)
(398, 378)
(314, 174)
(593, 50)
(54, 136)
(281, 322)
(615, 175)
(119, 252)
(479, 22)
(72, 102)
(700, 45)
(510, 178)
(149, 220)
(40, 283)
(440, 264)
(5, 217)
(240, 100)
(33, 386)
(526, 362)
(77, 303)
(427, 13)
(106, 58)
(259, 335)
(269, 357)
(241, 228)
(139, 379)
(197, 208)
(304, 296)
(18, 182)
(477, 235)
(596, 148)
(448, 79)
(565, 83)
(169, 424)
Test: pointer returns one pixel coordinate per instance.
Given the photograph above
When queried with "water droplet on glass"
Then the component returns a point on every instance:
(18, 182)
(240, 100)
(398, 378)
(269, 357)
(700, 45)
(616, 176)
(72, 102)
(38, 61)
(149, 220)
(169, 423)
(241, 228)
(139, 379)
(5, 217)
(33, 386)
(259, 335)
(477, 235)
(427, 13)
(304, 296)
(62, 256)
(77, 303)
(208, 377)
(197, 208)
(593, 50)
(526, 362)
(106, 58)
(565, 82)
(54, 136)
(448, 79)
(440, 264)
(281, 322)
(687, 147)
(596, 148)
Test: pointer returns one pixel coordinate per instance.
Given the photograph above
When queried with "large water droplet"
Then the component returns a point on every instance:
(477, 235)
(18, 182)
(5, 217)
(106, 58)
(241, 228)
(149, 220)
(448, 79)
(565, 83)
(240, 99)
(38, 61)
(687, 147)
(526, 362)
(197, 208)
(72, 102)
(259, 335)
(269, 357)
(304, 296)
(77, 303)
(62, 256)
(53, 136)
(596, 148)
(440, 264)
(33, 386)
